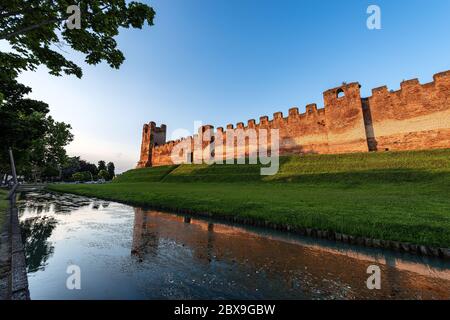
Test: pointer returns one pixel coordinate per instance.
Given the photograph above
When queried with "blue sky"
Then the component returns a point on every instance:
(226, 61)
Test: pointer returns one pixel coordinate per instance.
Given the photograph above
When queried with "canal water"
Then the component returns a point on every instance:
(123, 252)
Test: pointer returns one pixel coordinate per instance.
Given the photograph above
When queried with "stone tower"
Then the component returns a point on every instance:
(344, 119)
(152, 136)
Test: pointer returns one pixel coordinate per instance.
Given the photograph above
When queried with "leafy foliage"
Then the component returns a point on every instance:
(35, 29)
(101, 165)
(111, 170)
(82, 176)
(103, 174)
(76, 165)
(37, 140)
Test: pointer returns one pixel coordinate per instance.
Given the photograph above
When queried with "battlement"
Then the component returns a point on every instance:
(293, 112)
(311, 109)
(407, 84)
(411, 85)
(380, 90)
(442, 78)
(264, 120)
(338, 96)
(346, 123)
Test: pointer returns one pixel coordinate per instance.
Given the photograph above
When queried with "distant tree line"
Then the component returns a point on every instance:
(76, 169)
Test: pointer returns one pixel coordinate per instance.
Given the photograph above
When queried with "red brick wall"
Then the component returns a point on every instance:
(344, 120)
(415, 117)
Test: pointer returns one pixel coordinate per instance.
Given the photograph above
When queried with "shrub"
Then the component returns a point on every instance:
(82, 176)
(103, 174)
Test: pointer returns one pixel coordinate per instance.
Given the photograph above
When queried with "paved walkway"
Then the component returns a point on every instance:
(13, 269)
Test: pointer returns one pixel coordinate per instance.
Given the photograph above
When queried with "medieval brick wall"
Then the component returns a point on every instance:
(344, 119)
(414, 117)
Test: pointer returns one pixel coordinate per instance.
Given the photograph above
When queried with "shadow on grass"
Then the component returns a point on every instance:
(251, 174)
(428, 166)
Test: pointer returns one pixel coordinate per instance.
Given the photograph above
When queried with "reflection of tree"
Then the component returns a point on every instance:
(35, 232)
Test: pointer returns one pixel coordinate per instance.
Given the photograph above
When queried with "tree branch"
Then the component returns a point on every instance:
(30, 28)
(10, 14)
(6, 12)
(38, 25)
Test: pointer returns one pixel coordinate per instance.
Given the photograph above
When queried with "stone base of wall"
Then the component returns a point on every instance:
(433, 139)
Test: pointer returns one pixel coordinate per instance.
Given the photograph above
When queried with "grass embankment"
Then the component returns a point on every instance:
(401, 196)
(3, 206)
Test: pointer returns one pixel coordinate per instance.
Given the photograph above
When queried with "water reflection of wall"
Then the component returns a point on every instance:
(145, 235)
(313, 267)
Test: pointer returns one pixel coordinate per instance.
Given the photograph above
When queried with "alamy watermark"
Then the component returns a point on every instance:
(374, 19)
(374, 280)
(73, 281)
(74, 20)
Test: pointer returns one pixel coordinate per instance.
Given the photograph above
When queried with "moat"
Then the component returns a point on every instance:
(134, 253)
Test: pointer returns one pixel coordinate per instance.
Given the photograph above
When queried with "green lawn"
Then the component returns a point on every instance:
(403, 196)
(3, 206)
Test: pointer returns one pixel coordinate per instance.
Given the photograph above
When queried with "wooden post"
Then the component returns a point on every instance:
(13, 166)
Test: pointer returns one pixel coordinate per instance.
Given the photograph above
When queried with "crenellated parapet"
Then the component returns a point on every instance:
(412, 99)
(416, 116)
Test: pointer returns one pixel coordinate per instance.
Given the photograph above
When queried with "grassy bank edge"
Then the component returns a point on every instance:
(3, 206)
(356, 238)
(395, 196)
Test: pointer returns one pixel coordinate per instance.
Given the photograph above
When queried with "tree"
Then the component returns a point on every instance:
(111, 170)
(48, 155)
(78, 176)
(101, 165)
(82, 176)
(36, 139)
(22, 122)
(75, 164)
(89, 167)
(36, 28)
(103, 174)
(71, 166)
(50, 171)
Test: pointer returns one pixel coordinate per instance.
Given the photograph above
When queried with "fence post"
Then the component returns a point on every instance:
(12, 192)
(13, 166)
